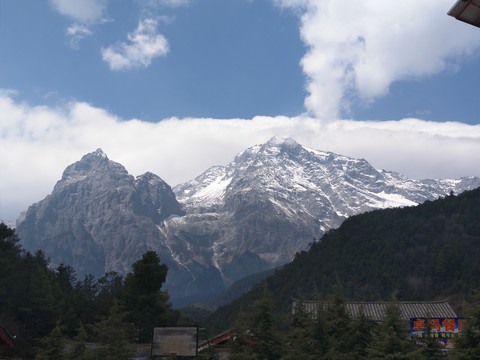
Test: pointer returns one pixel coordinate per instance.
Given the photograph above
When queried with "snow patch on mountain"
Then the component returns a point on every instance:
(213, 191)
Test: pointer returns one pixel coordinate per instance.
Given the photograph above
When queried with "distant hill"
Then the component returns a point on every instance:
(238, 288)
(425, 252)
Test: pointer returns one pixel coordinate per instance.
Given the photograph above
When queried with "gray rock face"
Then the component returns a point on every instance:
(251, 215)
(98, 217)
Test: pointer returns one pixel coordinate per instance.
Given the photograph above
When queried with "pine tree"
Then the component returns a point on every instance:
(467, 345)
(391, 338)
(79, 343)
(240, 342)
(113, 335)
(338, 325)
(51, 347)
(265, 343)
(146, 304)
(361, 337)
(432, 349)
(321, 333)
(301, 343)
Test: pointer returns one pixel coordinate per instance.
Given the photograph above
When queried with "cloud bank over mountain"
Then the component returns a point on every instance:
(354, 52)
(38, 142)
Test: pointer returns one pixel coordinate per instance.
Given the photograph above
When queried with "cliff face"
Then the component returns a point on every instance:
(98, 217)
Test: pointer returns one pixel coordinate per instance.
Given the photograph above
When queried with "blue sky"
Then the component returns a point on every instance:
(176, 86)
(226, 59)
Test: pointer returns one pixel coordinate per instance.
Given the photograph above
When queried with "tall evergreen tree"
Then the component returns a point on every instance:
(110, 290)
(301, 342)
(113, 336)
(68, 300)
(361, 337)
(51, 347)
(467, 345)
(257, 338)
(146, 303)
(432, 348)
(267, 341)
(391, 338)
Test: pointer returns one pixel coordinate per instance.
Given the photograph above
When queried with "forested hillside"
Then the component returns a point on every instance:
(425, 252)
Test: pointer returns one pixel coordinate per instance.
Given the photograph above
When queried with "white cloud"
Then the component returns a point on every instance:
(144, 44)
(174, 3)
(84, 12)
(162, 3)
(39, 142)
(357, 49)
(77, 32)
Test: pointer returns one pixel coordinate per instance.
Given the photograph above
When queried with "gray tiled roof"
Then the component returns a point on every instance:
(376, 310)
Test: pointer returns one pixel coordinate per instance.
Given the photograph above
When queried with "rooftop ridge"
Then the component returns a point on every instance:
(380, 301)
(376, 310)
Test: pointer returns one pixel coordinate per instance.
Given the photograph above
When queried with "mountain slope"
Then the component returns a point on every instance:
(247, 217)
(419, 253)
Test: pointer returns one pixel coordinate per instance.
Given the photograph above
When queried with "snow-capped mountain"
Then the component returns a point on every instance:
(274, 198)
(254, 214)
(294, 176)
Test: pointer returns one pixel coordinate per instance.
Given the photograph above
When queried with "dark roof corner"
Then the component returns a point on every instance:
(467, 11)
(5, 337)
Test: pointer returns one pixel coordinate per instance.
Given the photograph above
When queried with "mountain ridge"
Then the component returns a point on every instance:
(231, 221)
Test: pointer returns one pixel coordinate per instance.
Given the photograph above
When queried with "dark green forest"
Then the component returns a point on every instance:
(426, 252)
(335, 335)
(44, 307)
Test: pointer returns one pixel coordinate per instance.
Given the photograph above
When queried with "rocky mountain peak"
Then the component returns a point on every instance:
(99, 217)
(97, 153)
(151, 178)
(94, 167)
(93, 159)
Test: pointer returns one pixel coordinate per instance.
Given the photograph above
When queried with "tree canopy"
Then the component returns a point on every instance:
(43, 307)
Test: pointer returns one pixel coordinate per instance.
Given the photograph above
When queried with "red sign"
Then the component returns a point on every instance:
(441, 328)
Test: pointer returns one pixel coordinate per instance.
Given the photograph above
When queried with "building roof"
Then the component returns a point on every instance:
(217, 339)
(375, 311)
(467, 11)
(5, 336)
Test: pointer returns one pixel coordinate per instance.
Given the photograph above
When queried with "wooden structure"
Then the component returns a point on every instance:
(467, 11)
(175, 341)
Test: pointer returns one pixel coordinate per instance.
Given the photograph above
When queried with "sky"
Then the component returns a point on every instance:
(176, 86)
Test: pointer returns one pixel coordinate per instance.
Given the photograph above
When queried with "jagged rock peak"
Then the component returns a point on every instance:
(98, 154)
(95, 165)
(151, 178)
(148, 176)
